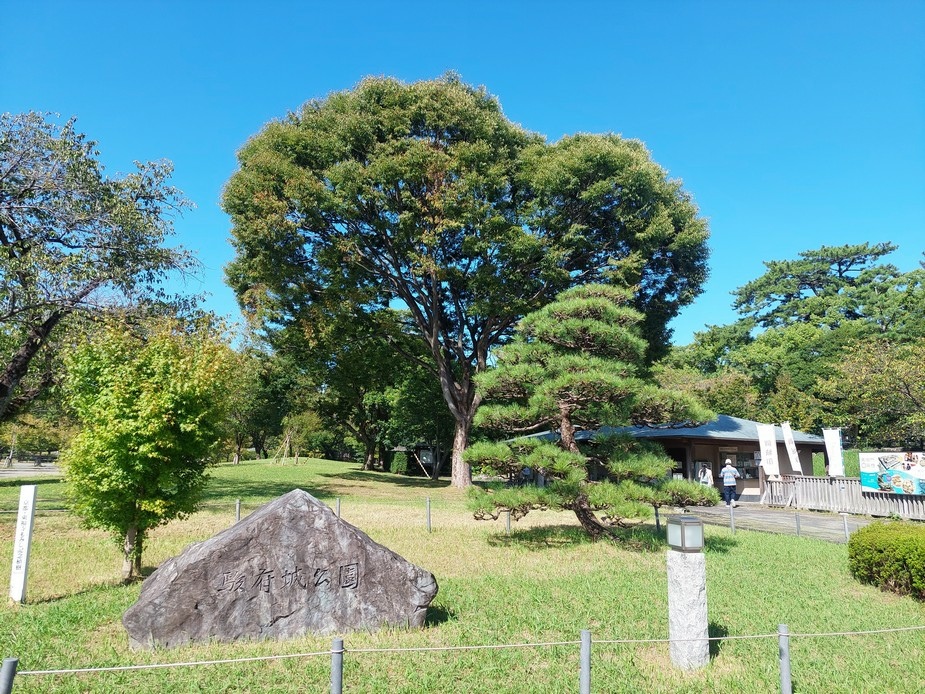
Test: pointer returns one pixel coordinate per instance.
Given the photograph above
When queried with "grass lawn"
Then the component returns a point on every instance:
(544, 583)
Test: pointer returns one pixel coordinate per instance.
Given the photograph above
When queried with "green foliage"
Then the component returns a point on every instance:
(890, 555)
(151, 407)
(880, 385)
(576, 364)
(74, 239)
(811, 313)
(426, 195)
(399, 463)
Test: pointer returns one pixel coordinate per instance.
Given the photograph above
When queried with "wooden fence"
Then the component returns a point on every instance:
(840, 494)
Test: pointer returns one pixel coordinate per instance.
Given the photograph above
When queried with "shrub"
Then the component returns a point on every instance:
(400, 463)
(890, 555)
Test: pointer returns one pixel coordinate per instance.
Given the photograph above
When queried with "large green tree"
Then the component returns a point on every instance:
(578, 364)
(152, 409)
(425, 196)
(71, 239)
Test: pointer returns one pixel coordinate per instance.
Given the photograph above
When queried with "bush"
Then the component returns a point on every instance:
(890, 555)
(400, 463)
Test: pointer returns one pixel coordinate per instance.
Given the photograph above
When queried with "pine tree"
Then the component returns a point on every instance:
(578, 364)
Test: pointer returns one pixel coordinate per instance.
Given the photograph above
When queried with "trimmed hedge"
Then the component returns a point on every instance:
(890, 555)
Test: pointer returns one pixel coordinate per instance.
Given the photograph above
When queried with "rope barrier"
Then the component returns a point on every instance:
(542, 644)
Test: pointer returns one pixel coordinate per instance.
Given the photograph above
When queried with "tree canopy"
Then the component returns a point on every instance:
(152, 410)
(577, 364)
(426, 197)
(71, 239)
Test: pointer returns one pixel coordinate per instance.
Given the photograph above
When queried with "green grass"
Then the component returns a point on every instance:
(544, 583)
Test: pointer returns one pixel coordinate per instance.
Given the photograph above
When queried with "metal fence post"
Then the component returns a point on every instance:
(844, 517)
(428, 514)
(732, 519)
(584, 680)
(798, 524)
(237, 510)
(783, 639)
(338, 507)
(7, 673)
(507, 522)
(658, 524)
(337, 666)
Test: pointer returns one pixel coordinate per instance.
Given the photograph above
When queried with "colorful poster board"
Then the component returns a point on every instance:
(893, 473)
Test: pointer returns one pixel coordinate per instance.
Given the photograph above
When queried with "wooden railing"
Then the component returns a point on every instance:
(840, 494)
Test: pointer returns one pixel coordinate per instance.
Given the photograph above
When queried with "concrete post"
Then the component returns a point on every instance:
(687, 609)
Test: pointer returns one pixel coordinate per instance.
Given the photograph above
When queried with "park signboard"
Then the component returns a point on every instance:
(893, 473)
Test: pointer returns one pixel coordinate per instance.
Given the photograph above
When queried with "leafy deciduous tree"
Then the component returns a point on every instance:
(425, 195)
(151, 406)
(71, 239)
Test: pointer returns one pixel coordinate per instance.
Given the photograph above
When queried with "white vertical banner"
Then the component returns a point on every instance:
(833, 452)
(22, 543)
(767, 440)
(791, 448)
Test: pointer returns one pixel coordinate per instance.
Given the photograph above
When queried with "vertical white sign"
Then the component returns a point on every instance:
(833, 452)
(791, 448)
(767, 440)
(22, 543)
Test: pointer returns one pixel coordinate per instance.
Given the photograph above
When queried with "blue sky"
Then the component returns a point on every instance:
(793, 124)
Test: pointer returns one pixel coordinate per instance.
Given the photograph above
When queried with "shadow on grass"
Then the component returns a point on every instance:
(20, 481)
(639, 539)
(437, 616)
(388, 478)
(720, 545)
(222, 490)
(716, 631)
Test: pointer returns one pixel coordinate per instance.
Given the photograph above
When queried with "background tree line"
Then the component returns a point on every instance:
(835, 337)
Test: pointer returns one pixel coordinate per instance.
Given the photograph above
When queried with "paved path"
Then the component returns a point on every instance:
(750, 516)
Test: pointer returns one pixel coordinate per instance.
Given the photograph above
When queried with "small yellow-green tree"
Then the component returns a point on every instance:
(151, 406)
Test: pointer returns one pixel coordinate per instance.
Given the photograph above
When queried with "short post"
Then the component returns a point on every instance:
(732, 519)
(584, 678)
(507, 522)
(783, 640)
(428, 514)
(688, 632)
(798, 524)
(844, 517)
(658, 524)
(338, 507)
(237, 510)
(7, 673)
(337, 666)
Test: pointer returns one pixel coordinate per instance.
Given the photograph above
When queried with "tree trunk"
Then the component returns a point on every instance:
(128, 554)
(462, 473)
(370, 456)
(588, 520)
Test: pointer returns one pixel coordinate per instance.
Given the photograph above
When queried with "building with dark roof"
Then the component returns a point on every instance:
(718, 440)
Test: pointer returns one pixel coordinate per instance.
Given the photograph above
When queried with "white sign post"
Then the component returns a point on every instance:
(832, 439)
(22, 543)
(791, 448)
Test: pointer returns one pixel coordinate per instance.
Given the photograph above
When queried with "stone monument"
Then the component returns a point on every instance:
(290, 568)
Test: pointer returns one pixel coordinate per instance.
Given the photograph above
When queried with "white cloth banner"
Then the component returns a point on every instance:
(833, 452)
(767, 440)
(791, 448)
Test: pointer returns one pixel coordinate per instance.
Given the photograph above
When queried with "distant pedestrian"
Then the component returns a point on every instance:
(705, 476)
(729, 475)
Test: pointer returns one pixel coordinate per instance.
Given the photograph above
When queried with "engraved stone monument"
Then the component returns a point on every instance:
(290, 568)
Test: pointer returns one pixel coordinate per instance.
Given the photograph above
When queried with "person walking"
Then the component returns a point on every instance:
(729, 475)
(705, 476)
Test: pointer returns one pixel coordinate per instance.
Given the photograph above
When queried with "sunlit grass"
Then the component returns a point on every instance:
(544, 582)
